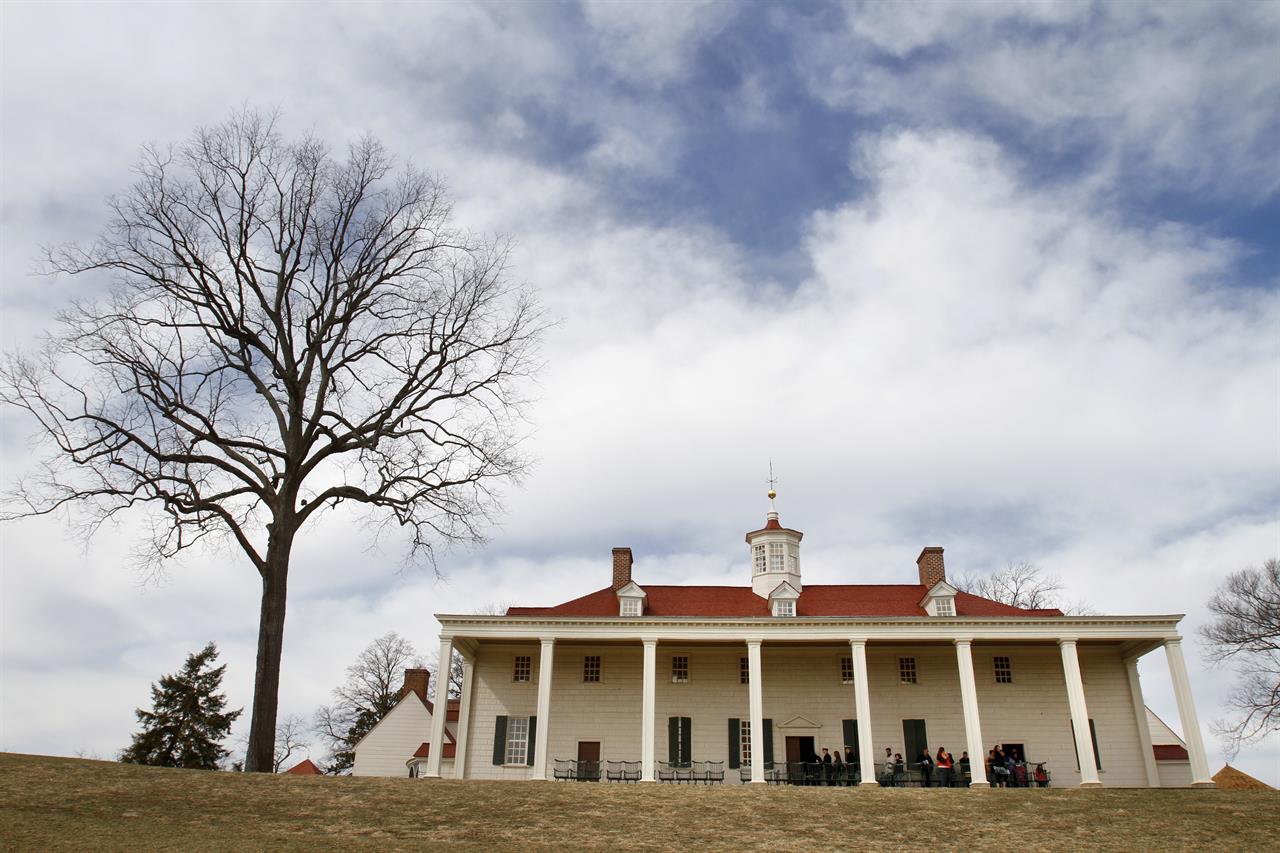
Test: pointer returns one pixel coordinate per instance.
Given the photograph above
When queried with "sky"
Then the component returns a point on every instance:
(998, 277)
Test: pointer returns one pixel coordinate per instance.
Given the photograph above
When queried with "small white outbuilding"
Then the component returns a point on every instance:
(395, 745)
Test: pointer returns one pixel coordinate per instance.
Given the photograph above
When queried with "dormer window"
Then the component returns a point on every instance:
(784, 608)
(940, 600)
(631, 600)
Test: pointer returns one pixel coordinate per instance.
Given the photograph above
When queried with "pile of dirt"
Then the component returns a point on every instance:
(1231, 779)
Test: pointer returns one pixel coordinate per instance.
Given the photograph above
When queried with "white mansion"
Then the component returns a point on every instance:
(665, 677)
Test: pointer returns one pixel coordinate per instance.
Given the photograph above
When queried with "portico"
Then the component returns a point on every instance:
(798, 668)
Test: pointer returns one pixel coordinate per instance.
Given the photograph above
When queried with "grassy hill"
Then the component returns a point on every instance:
(62, 803)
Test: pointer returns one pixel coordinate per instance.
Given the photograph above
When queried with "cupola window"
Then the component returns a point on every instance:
(775, 556)
(759, 558)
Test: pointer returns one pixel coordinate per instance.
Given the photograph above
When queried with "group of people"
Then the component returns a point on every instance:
(942, 768)
(1009, 770)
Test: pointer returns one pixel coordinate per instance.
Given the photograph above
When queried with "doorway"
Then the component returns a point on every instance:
(588, 769)
(800, 749)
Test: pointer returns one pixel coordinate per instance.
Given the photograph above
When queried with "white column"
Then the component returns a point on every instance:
(650, 693)
(543, 733)
(442, 708)
(755, 692)
(972, 723)
(1140, 720)
(1187, 714)
(1079, 715)
(464, 718)
(862, 708)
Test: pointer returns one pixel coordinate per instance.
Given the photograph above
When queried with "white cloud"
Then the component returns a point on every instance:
(1183, 95)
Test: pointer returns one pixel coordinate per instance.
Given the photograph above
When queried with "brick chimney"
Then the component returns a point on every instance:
(931, 567)
(416, 681)
(621, 567)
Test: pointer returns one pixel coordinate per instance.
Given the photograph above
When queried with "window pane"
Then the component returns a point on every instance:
(744, 671)
(591, 668)
(517, 740)
(523, 668)
(680, 668)
(1004, 670)
(744, 734)
(846, 670)
(775, 556)
(907, 670)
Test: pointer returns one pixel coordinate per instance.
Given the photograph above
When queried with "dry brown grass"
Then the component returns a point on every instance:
(64, 804)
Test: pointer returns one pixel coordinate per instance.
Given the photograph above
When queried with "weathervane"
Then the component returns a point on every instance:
(773, 481)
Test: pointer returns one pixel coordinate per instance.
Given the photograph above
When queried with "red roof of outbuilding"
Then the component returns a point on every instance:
(1170, 752)
(424, 751)
(305, 767)
(852, 600)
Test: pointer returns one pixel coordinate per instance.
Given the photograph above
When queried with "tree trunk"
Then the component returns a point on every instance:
(266, 684)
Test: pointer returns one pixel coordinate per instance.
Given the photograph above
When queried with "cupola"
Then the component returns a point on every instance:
(775, 555)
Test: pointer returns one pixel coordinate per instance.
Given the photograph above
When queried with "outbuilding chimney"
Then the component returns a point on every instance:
(416, 681)
(932, 569)
(621, 567)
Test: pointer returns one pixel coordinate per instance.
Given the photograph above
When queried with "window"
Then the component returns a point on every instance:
(1004, 670)
(757, 555)
(680, 669)
(846, 670)
(784, 608)
(793, 557)
(744, 671)
(775, 556)
(591, 669)
(630, 607)
(744, 741)
(944, 606)
(1093, 736)
(524, 666)
(679, 740)
(907, 670)
(518, 740)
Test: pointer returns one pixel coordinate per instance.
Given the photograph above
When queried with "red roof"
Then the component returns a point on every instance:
(306, 767)
(451, 711)
(852, 600)
(424, 751)
(1170, 752)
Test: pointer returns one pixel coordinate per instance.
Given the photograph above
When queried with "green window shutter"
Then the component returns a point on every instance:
(533, 740)
(851, 737)
(735, 744)
(1093, 735)
(767, 744)
(686, 741)
(673, 740)
(500, 741)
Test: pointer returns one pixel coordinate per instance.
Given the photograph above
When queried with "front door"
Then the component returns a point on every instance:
(589, 760)
(799, 749)
(914, 739)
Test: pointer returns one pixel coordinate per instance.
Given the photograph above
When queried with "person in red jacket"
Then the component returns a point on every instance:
(943, 763)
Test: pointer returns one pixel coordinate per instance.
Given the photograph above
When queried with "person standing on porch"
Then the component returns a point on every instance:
(888, 766)
(837, 768)
(826, 766)
(944, 768)
(926, 768)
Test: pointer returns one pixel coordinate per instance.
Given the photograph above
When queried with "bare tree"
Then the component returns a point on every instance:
(291, 739)
(1246, 631)
(1021, 584)
(286, 330)
(454, 674)
(372, 689)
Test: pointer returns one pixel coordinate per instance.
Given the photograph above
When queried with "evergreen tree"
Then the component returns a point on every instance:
(187, 723)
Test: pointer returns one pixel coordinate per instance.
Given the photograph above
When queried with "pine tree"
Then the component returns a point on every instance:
(187, 723)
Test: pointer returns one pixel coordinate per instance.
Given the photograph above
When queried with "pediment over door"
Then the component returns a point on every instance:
(800, 722)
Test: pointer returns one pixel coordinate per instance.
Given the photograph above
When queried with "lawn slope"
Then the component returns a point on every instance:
(71, 804)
